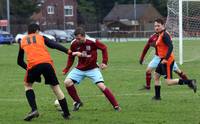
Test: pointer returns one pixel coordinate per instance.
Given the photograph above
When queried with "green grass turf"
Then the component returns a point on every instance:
(124, 76)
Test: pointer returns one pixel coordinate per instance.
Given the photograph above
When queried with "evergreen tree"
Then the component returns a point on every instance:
(21, 10)
(86, 12)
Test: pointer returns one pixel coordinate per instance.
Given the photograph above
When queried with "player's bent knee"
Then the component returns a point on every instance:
(148, 70)
(68, 82)
(101, 86)
(27, 86)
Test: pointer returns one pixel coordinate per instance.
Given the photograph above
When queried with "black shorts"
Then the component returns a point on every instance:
(165, 69)
(45, 69)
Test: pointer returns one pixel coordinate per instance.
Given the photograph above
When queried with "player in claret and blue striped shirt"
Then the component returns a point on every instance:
(86, 49)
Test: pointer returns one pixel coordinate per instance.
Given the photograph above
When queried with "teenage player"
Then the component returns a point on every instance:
(86, 50)
(155, 61)
(164, 49)
(39, 63)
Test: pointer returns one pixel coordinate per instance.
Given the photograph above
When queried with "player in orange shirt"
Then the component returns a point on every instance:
(164, 49)
(154, 62)
(40, 63)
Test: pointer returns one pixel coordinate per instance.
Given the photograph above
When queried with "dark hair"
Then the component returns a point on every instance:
(32, 28)
(80, 31)
(159, 20)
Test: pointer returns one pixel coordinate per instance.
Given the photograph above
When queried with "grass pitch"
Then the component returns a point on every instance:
(124, 76)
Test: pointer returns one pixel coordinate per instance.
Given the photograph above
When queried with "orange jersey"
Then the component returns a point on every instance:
(162, 48)
(35, 50)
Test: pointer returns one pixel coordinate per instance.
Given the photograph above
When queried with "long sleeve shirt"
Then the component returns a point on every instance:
(48, 42)
(88, 48)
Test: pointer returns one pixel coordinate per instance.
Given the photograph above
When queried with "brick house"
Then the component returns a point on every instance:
(56, 14)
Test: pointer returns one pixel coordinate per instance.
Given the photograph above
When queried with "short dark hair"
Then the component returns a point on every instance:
(80, 31)
(32, 28)
(159, 20)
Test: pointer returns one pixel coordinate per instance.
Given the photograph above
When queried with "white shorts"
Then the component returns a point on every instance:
(155, 61)
(78, 75)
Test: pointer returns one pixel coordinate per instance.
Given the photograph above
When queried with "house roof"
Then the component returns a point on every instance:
(126, 11)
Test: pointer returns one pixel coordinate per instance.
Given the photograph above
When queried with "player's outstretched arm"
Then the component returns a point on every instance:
(144, 52)
(151, 42)
(54, 45)
(69, 64)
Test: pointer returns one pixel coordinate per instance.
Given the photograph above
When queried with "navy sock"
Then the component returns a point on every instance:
(30, 95)
(64, 106)
(182, 81)
(157, 91)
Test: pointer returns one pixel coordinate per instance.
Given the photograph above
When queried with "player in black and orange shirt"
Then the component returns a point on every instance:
(39, 63)
(164, 49)
(155, 61)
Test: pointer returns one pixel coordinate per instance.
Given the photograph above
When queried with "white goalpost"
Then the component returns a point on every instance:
(183, 22)
(180, 32)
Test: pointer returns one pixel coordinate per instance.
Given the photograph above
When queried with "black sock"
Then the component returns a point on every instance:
(64, 106)
(157, 91)
(30, 95)
(182, 82)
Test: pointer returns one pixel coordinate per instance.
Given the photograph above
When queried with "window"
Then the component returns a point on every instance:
(68, 10)
(50, 9)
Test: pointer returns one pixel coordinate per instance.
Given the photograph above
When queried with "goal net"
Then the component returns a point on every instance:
(183, 22)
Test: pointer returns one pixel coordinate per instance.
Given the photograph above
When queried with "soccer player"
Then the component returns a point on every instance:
(86, 50)
(39, 63)
(164, 49)
(155, 61)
